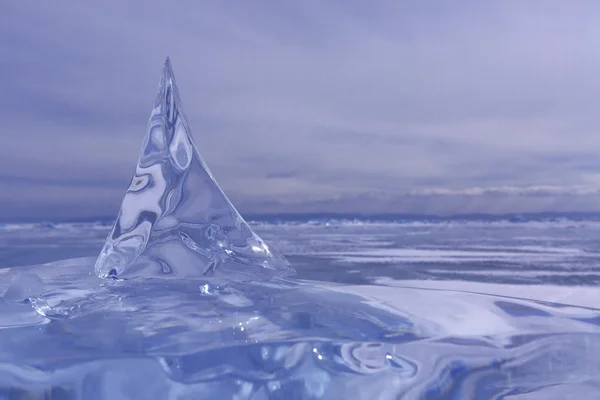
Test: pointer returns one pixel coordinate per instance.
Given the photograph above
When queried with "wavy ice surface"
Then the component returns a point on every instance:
(174, 220)
(90, 338)
(82, 337)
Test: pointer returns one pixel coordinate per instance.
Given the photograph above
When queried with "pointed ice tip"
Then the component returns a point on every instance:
(168, 68)
(175, 221)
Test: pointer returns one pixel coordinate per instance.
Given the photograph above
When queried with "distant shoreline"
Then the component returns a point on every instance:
(316, 217)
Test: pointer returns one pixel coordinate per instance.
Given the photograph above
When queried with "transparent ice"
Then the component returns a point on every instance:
(416, 310)
(175, 221)
(495, 324)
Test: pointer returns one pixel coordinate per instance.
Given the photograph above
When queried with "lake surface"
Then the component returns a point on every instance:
(445, 310)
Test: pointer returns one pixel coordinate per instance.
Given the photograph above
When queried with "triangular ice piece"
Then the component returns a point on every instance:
(175, 221)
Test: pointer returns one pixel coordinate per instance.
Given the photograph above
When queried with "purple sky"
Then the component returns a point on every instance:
(307, 105)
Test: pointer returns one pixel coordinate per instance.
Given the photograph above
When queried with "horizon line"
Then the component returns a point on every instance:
(384, 216)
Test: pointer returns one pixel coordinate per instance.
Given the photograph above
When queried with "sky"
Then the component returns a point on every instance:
(429, 107)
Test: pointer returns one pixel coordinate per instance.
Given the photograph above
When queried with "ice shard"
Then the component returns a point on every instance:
(175, 221)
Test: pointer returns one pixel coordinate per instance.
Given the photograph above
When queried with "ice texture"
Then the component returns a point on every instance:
(24, 286)
(175, 221)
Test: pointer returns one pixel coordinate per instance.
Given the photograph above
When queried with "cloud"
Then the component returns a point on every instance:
(314, 102)
(533, 191)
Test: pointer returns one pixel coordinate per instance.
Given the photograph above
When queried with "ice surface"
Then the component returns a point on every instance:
(23, 287)
(338, 331)
(175, 221)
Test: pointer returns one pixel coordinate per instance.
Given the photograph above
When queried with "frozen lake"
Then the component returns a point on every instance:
(377, 311)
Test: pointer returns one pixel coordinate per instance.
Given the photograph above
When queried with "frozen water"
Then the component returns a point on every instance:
(175, 221)
(399, 328)
(23, 287)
